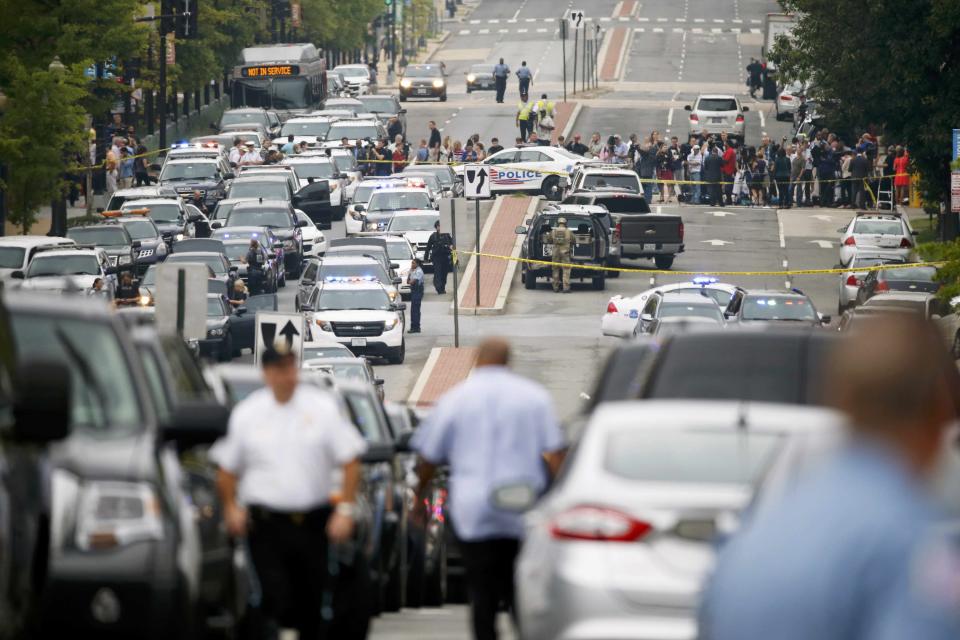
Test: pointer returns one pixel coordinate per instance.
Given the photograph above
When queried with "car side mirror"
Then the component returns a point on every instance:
(935, 316)
(394, 265)
(915, 233)
(402, 111)
(842, 230)
(378, 382)
(193, 217)
(521, 230)
(825, 319)
(687, 107)
(646, 317)
(400, 306)
(136, 244)
(359, 208)
(305, 308)
(195, 423)
(41, 408)
(230, 175)
(213, 125)
(302, 223)
(745, 108)
(17, 275)
(378, 452)
(216, 224)
(240, 311)
(396, 281)
(297, 199)
(111, 270)
(100, 209)
(729, 314)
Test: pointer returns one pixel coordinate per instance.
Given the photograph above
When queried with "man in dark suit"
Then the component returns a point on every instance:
(712, 163)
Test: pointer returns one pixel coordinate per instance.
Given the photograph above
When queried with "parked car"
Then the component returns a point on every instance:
(591, 246)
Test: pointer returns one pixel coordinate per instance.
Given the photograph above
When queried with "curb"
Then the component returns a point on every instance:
(500, 305)
(424, 377)
(571, 121)
(621, 61)
(438, 45)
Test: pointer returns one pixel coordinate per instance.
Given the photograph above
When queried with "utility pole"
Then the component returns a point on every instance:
(576, 50)
(563, 48)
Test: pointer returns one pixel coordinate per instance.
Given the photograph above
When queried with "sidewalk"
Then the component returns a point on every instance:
(445, 368)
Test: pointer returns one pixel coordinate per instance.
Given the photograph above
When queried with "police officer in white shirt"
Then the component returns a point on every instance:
(236, 152)
(252, 156)
(277, 464)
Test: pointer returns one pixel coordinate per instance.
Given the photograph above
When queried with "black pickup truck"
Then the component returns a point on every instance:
(639, 233)
(591, 244)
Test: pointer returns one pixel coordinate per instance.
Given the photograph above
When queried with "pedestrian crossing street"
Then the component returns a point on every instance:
(640, 25)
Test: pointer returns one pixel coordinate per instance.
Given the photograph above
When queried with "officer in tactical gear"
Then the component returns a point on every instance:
(255, 270)
(562, 239)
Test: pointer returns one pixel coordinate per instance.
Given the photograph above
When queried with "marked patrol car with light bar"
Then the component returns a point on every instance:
(544, 170)
(622, 313)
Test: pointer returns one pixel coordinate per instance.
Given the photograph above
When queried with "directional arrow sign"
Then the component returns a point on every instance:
(476, 183)
(822, 217)
(576, 18)
(824, 244)
(721, 214)
(274, 328)
(716, 243)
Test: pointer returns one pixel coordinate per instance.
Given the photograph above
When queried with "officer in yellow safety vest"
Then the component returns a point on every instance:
(545, 111)
(526, 117)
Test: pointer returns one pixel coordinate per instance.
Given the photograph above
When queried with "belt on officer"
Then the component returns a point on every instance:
(298, 518)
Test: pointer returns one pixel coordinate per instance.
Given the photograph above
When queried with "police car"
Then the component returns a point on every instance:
(62, 269)
(606, 178)
(358, 313)
(153, 248)
(416, 227)
(316, 168)
(310, 129)
(385, 203)
(545, 170)
(175, 219)
(622, 314)
(209, 176)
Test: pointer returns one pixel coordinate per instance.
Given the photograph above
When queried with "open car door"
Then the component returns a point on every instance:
(314, 200)
(245, 326)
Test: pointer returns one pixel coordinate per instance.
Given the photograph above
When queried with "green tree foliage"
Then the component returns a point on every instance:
(225, 27)
(47, 103)
(328, 23)
(893, 65)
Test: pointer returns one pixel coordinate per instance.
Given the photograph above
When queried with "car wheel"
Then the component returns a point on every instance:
(663, 262)
(296, 304)
(443, 98)
(226, 349)
(283, 279)
(548, 186)
(403, 98)
(397, 355)
(435, 581)
(469, 90)
(841, 309)
(396, 587)
(529, 280)
(600, 282)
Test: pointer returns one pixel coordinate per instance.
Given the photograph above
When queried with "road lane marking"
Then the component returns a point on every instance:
(783, 242)
(474, 22)
(763, 119)
(493, 21)
(644, 19)
(483, 31)
(541, 30)
(670, 117)
(718, 21)
(522, 30)
(755, 21)
(657, 30)
(464, 32)
(716, 243)
(661, 19)
(677, 30)
(696, 30)
(699, 20)
(716, 30)
(755, 31)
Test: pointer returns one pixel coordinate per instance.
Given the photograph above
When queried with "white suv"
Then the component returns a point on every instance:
(877, 233)
(358, 314)
(716, 114)
(16, 252)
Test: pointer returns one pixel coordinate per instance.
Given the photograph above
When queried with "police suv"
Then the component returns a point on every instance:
(545, 170)
(357, 313)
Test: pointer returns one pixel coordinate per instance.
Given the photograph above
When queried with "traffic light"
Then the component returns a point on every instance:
(187, 14)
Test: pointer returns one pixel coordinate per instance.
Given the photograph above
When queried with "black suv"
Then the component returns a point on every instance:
(153, 247)
(125, 556)
(113, 238)
(279, 217)
(591, 246)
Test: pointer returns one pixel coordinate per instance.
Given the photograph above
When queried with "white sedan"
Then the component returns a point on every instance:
(622, 313)
(314, 242)
(545, 170)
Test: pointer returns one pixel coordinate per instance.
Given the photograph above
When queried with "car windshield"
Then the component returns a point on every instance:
(685, 310)
(318, 129)
(235, 250)
(428, 179)
(338, 299)
(344, 370)
(254, 189)
(102, 237)
(222, 210)
(872, 261)
(399, 200)
(379, 105)
(624, 205)
(399, 251)
(326, 351)
(913, 274)
(150, 277)
(695, 457)
(353, 131)
(363, 193)
(443, 173)
(103, 396)
(352, 72)
(306, 170)
(716, 104)
(423, 71)
(259, 218)
(243, 117)
(214, 262)
(878, 227)
(369, 270)
(11, 257)
(719, 296)
(215, 308)
(600, 182)
(412, 223)
(141, 229)
(246, 234)
(188, 171)
(62, 265)
(778, 308)
(159, 212)
(345, 159)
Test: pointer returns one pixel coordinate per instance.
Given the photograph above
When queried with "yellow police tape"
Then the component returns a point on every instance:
(673, 272)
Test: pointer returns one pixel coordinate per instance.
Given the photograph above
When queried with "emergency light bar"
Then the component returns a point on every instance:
(348, 279)
(117, 213)
(705, 280)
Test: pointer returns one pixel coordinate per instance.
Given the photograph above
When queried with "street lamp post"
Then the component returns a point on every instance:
(58, 207)
(3, 175)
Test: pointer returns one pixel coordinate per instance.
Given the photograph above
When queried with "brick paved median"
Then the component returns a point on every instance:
(499, 240)
(451, 367)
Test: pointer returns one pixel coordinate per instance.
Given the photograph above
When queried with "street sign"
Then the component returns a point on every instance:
(181, 300)
(277, 326)
(171, 49)
(296, 20)
(476, 181)
(576, 18)
(955, 192)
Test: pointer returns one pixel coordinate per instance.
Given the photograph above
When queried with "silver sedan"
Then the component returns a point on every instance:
(851, 280)
(622, 545)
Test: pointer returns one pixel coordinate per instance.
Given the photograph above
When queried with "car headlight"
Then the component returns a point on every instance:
(393, 295)
(406, 83)
(114, 514)
(390, 324)
(334, 186)
(324, 325)
(124, 260)
(290, 244)
(372, 226)
(215, 333)
(438, 83)
(471, 77)
(145, 300)
(179, 237)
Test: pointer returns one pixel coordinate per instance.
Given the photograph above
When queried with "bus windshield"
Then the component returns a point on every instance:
(276, 93)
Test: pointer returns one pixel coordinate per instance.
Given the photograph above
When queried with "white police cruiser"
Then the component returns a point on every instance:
(358, 313)
(545, 170)
(623, 313)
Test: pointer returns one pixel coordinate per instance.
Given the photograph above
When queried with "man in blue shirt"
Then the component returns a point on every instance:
(415, 280)
(495, 430)
(525, 76)
(851, 551)
(500, 74)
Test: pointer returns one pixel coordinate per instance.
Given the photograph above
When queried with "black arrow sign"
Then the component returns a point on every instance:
(288, 332)
(578, 16)
(268, 331)
(482, 174)
(471, 175)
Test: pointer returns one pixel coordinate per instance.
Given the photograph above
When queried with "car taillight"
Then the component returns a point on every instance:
(853, 282)
(612, 308)
(617, 232)
(882, 286)
(786, 98)
(598, 524)
(694, 117)
(850, 242)
(681, 232)
(740, 118)
(905, 244)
